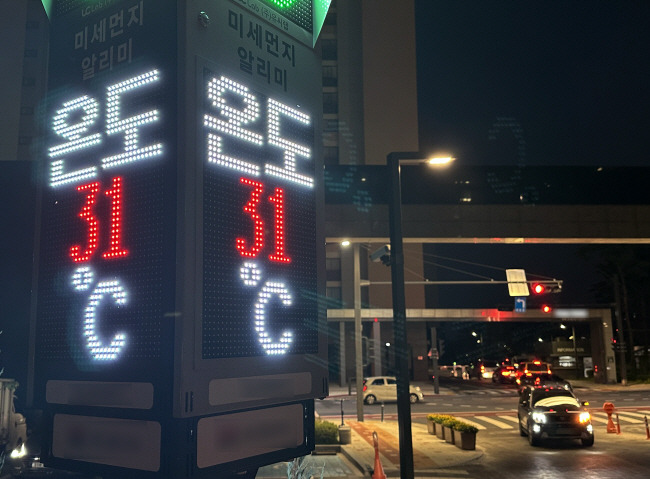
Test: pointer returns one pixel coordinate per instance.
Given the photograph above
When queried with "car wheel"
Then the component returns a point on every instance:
(370, 399)
(413, 398)
(532, 440)
(588, 442)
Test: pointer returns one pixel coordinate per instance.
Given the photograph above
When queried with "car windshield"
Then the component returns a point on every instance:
(554, 399)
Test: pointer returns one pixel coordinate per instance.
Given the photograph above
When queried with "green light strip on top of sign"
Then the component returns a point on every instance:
(283, 3)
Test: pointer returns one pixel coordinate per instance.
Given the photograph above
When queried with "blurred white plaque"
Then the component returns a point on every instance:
(517, 284)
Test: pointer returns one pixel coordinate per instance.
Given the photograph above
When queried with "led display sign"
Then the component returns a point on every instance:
(108, 203)
(259, 229)
(180, 260)
(301, 19)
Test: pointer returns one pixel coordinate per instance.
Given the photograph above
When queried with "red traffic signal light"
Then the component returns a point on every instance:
(546, 308)
(539, 288)
(543, 287)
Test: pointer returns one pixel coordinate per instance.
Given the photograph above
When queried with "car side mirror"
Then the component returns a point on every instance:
(524, 403)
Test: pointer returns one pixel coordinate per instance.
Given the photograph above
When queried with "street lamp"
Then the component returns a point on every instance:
(393, 161)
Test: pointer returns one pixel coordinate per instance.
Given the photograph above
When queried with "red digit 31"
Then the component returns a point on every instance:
(251, 208)
(88, 214)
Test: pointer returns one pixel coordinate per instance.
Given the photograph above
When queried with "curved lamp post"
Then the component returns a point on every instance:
(393, 160)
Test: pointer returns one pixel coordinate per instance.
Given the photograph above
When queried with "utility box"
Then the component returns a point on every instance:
(178, 328)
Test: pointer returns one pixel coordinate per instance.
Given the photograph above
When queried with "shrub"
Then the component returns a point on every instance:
(450, 422)
(461, 426)
(438, 418)
(326, 432)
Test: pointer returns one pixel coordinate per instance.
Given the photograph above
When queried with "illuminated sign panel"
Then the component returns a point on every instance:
(180, 262)
(259, 229)
(106, 267)
(301, 19)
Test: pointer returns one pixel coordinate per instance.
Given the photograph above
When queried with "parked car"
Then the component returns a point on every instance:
(384, 388)
(530, 369)
(553, 413)
(504, 374)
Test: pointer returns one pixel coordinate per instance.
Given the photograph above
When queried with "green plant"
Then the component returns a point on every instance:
(450, 422)
(326, 432)
(461, 426)
(438, 418)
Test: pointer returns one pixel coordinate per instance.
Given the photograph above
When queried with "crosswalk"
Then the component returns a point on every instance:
(503, 421)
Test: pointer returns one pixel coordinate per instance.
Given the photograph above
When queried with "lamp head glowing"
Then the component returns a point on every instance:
(440, 160)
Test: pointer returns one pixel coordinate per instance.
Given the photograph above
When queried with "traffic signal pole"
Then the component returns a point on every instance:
(434, 357)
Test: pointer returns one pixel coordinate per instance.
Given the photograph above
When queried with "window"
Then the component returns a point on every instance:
(330, 103)
(333, 269)
(328, 49)
(331, 155)
(330, 75)
(333, 294)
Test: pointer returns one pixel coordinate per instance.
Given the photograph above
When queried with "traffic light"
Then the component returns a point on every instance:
(539, 288)
(542, 287)
(441, 347)
(546, 308)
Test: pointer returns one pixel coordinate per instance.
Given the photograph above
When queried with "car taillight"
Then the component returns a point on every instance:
(482, 369)
(548, 371)
(505, 373)
(365, 388)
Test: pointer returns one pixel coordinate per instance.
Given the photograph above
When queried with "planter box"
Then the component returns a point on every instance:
(431, 427)
(465, 440)
(326, 449)
(449, 435)
(440, 432)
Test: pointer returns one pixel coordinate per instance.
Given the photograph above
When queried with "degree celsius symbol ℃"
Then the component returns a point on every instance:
(251, 275)
(82, 279)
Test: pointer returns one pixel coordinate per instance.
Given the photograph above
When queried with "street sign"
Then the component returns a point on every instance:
(520, 305)
(517, 285)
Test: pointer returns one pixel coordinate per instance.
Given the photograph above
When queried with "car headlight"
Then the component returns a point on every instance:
(539, 417)
(584, 417)
(19, 452)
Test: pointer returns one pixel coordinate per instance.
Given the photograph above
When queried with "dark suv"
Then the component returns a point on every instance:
(553, 413)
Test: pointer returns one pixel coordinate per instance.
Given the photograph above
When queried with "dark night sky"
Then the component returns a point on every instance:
(558, 83)
(505, 82)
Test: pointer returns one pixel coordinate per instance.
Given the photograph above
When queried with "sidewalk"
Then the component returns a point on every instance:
(429, 452)
(431, 456)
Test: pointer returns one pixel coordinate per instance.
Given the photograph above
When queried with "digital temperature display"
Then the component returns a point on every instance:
(259, 226)
(104, 224)
(106, 269)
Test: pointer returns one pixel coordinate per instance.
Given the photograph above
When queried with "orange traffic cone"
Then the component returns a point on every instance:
(608, 407)
(379, 470)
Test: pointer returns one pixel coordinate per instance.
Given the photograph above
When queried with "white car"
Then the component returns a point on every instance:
(384, 388)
